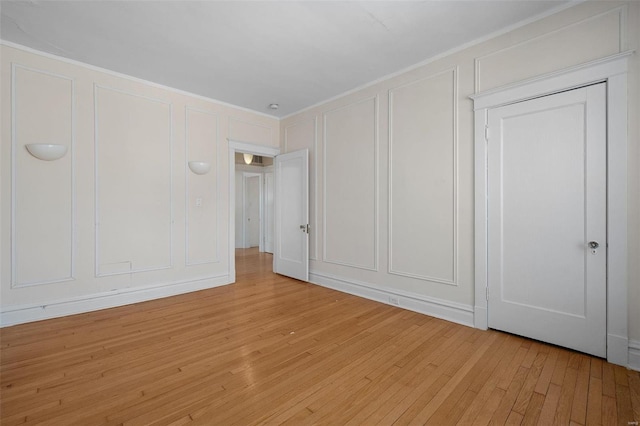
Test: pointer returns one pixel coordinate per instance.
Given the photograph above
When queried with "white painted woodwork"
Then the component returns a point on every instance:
(291, 257)
(133, 186)
(252, 201)
(43, 193)
(269, 210)
(547, 201)
(423, 181)
(293, 53)
(608, 40)
(303, 134)
(508, 55)
(242, 130)
(201, 222)
(350, 185)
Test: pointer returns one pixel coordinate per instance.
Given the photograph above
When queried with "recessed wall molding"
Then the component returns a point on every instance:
(20, 234)
(352, 241)
(190, 181)
(415, 203)
(153, 167)
(261, 134)
(618, 13)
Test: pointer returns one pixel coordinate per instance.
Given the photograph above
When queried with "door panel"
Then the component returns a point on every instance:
(292, 214)
(547, 201)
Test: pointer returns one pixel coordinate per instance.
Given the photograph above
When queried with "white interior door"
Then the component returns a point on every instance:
(269, 183)
(546, 204)
(291, 256)
(252, 210)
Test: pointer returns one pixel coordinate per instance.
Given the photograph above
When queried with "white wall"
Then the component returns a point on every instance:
(120, 218)
(397, 222)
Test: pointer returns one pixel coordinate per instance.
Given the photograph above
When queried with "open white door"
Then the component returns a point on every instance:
(291, 256)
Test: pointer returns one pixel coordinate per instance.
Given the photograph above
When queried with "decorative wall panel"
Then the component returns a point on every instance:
(133, 162)
(423, 179)
(350, 185)
(43, 192)
(244, 131)
(570, 45)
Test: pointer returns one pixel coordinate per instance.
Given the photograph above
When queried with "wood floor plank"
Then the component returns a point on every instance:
(579, 405)
(272, 350)
(594, 402)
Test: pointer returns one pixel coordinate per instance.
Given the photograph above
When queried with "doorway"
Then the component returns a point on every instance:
(612, 71)
(547, 219)
(237, 168)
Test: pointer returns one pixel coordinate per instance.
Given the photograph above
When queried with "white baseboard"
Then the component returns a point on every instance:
(617, 350)
(634, 355)
(13, 315)
(444, 309)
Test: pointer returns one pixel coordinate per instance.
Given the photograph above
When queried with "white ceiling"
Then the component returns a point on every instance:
(251, 54)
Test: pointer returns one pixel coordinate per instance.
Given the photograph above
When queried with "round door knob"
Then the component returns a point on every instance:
(594, 244)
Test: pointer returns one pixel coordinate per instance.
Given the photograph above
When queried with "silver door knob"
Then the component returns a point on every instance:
(593, 245)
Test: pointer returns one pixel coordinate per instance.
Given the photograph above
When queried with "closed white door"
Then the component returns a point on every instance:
(547, 219)
(291, 256)
(253, 210)
(268, 211)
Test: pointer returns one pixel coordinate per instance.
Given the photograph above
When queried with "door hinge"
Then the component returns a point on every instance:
(487, 293)
(486, 133)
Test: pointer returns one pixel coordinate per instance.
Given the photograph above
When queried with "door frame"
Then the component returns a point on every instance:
(245, 235)
(613, 71)
(249, 148)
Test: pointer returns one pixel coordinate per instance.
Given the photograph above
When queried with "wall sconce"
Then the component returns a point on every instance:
(46, 151)
(248, 158)
(199, 167)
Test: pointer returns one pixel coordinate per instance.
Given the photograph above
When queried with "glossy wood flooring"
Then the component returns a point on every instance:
(271, 350)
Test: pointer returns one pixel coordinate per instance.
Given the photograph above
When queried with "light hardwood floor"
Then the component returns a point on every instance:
(272, 350)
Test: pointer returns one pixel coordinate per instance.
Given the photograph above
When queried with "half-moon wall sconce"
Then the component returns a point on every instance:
(199, 167)
(46, 151)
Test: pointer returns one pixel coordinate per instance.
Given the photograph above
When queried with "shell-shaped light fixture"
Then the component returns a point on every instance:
(199, 167)
(248, 158)
(46, 151)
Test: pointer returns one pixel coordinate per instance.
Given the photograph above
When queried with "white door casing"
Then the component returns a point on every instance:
(613, 71)
(547, 201)
(291, 256)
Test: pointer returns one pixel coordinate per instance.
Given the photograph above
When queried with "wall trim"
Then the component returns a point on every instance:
(442, 55)
(129, 77)
(621, 10)
(450, 311)
(376, 183)
(231, 119)
(21, 314)
(390, 268)
(613, 71)
(97, 273)
(188, 176)
(634, 355)
(72, 152)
